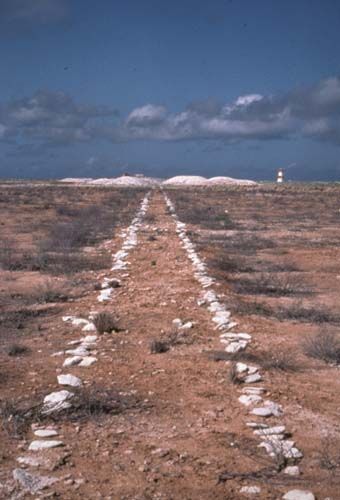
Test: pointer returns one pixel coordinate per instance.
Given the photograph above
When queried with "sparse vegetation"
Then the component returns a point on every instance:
(266, 284)
(325, 345)
(17, 350)
(329, 455)
(297, 312)
(159, 346)
(50, 291)
(16, 417)
(105, 322)
(97, 402)
(282, 360)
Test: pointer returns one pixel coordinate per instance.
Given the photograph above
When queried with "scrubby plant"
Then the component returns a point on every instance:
(50, 291)
(281, 360)
(105, 322)
(17, 350)
(158, 346)
(325, 345)
(266, 284)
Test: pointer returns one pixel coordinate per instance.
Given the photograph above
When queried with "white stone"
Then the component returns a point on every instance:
(250, 399)
(216, 306)
(256, 425)
(89, 328)
(278, 429)
(79, 351)
(45, 433)
(236, 346)
(57, 401)
(186, 326)
(298, 495)
(90, 339)
(253, 390)
(250, 490)
(70, 380)
(232, 336)
(67, 318)
(79, 321)
(87, 361)
(33, 482)
(274, 446)
(294, 452)
(252, 369)
(39, 445)
(262, 412)
(105, 294)
(292, 470)
(253, 378)
(241, 367)
(74, 342)
(74, 360)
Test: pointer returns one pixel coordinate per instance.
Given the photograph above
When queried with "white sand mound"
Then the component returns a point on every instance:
(124, 181)
(141, 181)
(229, 180)
(186, 180)
(127, 180)
(222, 180)
(77, 179)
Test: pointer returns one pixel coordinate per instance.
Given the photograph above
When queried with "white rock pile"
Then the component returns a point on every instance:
(80, 353)
(274, 438)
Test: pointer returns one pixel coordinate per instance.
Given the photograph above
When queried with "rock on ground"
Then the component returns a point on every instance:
(33, 482)
(44, 445)
(299, 495)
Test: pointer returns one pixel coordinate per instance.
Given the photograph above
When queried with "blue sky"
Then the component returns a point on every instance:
(237, 87)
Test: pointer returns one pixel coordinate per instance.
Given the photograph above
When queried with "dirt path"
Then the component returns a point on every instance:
(187, 426)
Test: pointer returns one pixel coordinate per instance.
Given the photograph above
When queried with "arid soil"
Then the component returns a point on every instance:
(169, 425)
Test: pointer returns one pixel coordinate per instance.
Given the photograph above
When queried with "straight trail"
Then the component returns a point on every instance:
(181, 425)
(188, 431)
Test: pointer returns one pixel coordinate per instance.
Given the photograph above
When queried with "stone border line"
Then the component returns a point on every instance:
(274, 438)
(81, 353)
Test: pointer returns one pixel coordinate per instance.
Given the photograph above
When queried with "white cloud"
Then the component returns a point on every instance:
(245, 100)
(52, 118)
(149, 114)
(33, 11)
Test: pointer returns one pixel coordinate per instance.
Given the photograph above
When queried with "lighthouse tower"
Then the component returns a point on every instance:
(280, 176)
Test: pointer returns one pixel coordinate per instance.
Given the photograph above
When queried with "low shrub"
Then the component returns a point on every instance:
(324, 345)
(105, 322)
(266, 284)
(96, 402)
(158, 346)
(282, 361)
(49, 291)
(296, 311)
(17, 350)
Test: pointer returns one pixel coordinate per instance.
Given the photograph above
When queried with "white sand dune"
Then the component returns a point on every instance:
(192, 180)
(141, 181)
(229, 180)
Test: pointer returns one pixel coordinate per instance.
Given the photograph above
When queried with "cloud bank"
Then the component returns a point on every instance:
(54, 118)
(23, 12)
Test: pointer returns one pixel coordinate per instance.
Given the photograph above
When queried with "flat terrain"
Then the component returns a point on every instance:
(169, 425)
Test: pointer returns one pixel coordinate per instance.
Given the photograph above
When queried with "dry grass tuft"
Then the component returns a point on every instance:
(105, 323)
(17, 350)
(159, 346)
(324, 345)
(282, 361)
